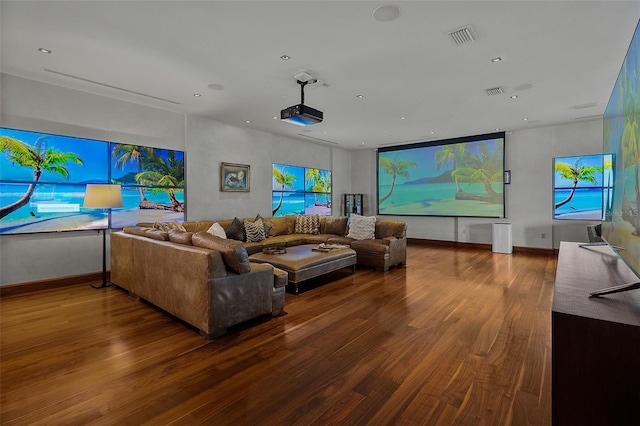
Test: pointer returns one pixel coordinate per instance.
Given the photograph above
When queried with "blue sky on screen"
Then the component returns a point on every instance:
(91, 152)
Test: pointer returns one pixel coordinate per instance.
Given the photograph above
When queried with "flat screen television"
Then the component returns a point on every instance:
(300, 190)
(452, 177)
(621, 225)
(579, 185)
(43, 179)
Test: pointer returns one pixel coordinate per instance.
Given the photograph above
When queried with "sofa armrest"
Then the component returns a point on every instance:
(239, 297)
(397, 250)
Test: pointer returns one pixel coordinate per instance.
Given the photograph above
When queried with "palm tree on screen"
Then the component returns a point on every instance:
(167, 173)
(39, 158)
(284, 179)
(453, 153)
(576, 173)
(484, 167)
(135, 155)
(394, 168)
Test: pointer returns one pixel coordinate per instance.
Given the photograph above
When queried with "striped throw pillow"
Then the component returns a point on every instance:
(255, 231)
(307, 224)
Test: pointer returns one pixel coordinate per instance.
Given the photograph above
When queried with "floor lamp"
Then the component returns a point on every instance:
(102, 196)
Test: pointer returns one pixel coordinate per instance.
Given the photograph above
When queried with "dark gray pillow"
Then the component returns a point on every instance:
(267, 225)
(236, 231)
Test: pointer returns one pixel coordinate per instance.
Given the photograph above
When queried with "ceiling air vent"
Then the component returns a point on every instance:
(463, 35)
(495, 91)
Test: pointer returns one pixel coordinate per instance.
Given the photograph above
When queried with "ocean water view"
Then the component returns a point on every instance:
(586, 204)
(438, 199)
(297, 203)
(55, 207)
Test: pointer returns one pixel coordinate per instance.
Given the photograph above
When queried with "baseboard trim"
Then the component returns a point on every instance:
(459, 244)
(50, 284)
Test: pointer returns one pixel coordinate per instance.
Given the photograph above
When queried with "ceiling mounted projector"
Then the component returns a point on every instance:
(301, 114)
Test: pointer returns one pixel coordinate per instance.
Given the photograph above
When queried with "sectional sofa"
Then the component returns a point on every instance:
(209, 282)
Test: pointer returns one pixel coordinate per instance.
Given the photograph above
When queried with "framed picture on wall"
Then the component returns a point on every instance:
(235, 177)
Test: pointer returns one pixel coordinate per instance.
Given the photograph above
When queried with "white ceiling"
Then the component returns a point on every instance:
(159, 53)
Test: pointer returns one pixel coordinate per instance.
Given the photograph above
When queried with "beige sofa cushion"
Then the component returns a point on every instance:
(233, 252)
(136, 230)
(279, 227)
(180, 237)
(167, 226)
(157, 234)
(335, 225)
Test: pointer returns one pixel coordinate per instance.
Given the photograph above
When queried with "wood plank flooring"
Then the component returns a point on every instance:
(459, 336)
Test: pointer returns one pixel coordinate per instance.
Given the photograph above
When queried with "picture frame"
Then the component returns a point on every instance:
(235, 177)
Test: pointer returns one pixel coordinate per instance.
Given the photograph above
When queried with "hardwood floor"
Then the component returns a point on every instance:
(459, 336)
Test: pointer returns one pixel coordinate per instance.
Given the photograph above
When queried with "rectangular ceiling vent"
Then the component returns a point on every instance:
(495, 91)
(463, 35)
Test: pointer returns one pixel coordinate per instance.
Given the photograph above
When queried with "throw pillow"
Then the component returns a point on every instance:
(307, 224)
(236, 231)
(135, 230)
(267, 225)
(217, 230)
(180, 237)
(233, 253)
(254, 231)
(362, 227)
(157, 234)
(167, 226)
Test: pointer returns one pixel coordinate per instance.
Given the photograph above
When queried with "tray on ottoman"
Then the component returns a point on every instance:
(303, 262)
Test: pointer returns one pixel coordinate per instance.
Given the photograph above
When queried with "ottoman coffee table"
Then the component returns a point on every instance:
(303, 262)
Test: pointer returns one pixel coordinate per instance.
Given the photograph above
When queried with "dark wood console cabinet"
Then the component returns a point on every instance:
(595, 341)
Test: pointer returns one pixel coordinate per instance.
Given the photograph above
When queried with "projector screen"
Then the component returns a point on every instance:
(452, 177)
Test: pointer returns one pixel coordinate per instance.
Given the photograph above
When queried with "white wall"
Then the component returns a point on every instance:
(529, 156)
(30, 105)
(210, 142)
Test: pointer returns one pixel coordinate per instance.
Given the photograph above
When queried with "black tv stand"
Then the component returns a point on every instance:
(595, 341)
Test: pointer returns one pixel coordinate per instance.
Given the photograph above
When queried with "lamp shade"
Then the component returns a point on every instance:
(102, 196)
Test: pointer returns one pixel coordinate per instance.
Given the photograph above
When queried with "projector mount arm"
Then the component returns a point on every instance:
(302, 84)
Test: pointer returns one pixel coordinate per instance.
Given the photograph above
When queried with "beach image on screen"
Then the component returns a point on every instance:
(300, 190)
(152, 181)
(43, 179)
(579, 185)
(460, 177)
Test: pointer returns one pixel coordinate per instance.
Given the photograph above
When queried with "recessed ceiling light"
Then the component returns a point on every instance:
(359, 96)
(513, 96)
(197, 95)
(285, 57)
(386, 13)
(403, 118)
(43, 50)
(498, 59)
(525, 86)
(275, 117)
(497, 129)
(247, 121)
(525, 119)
